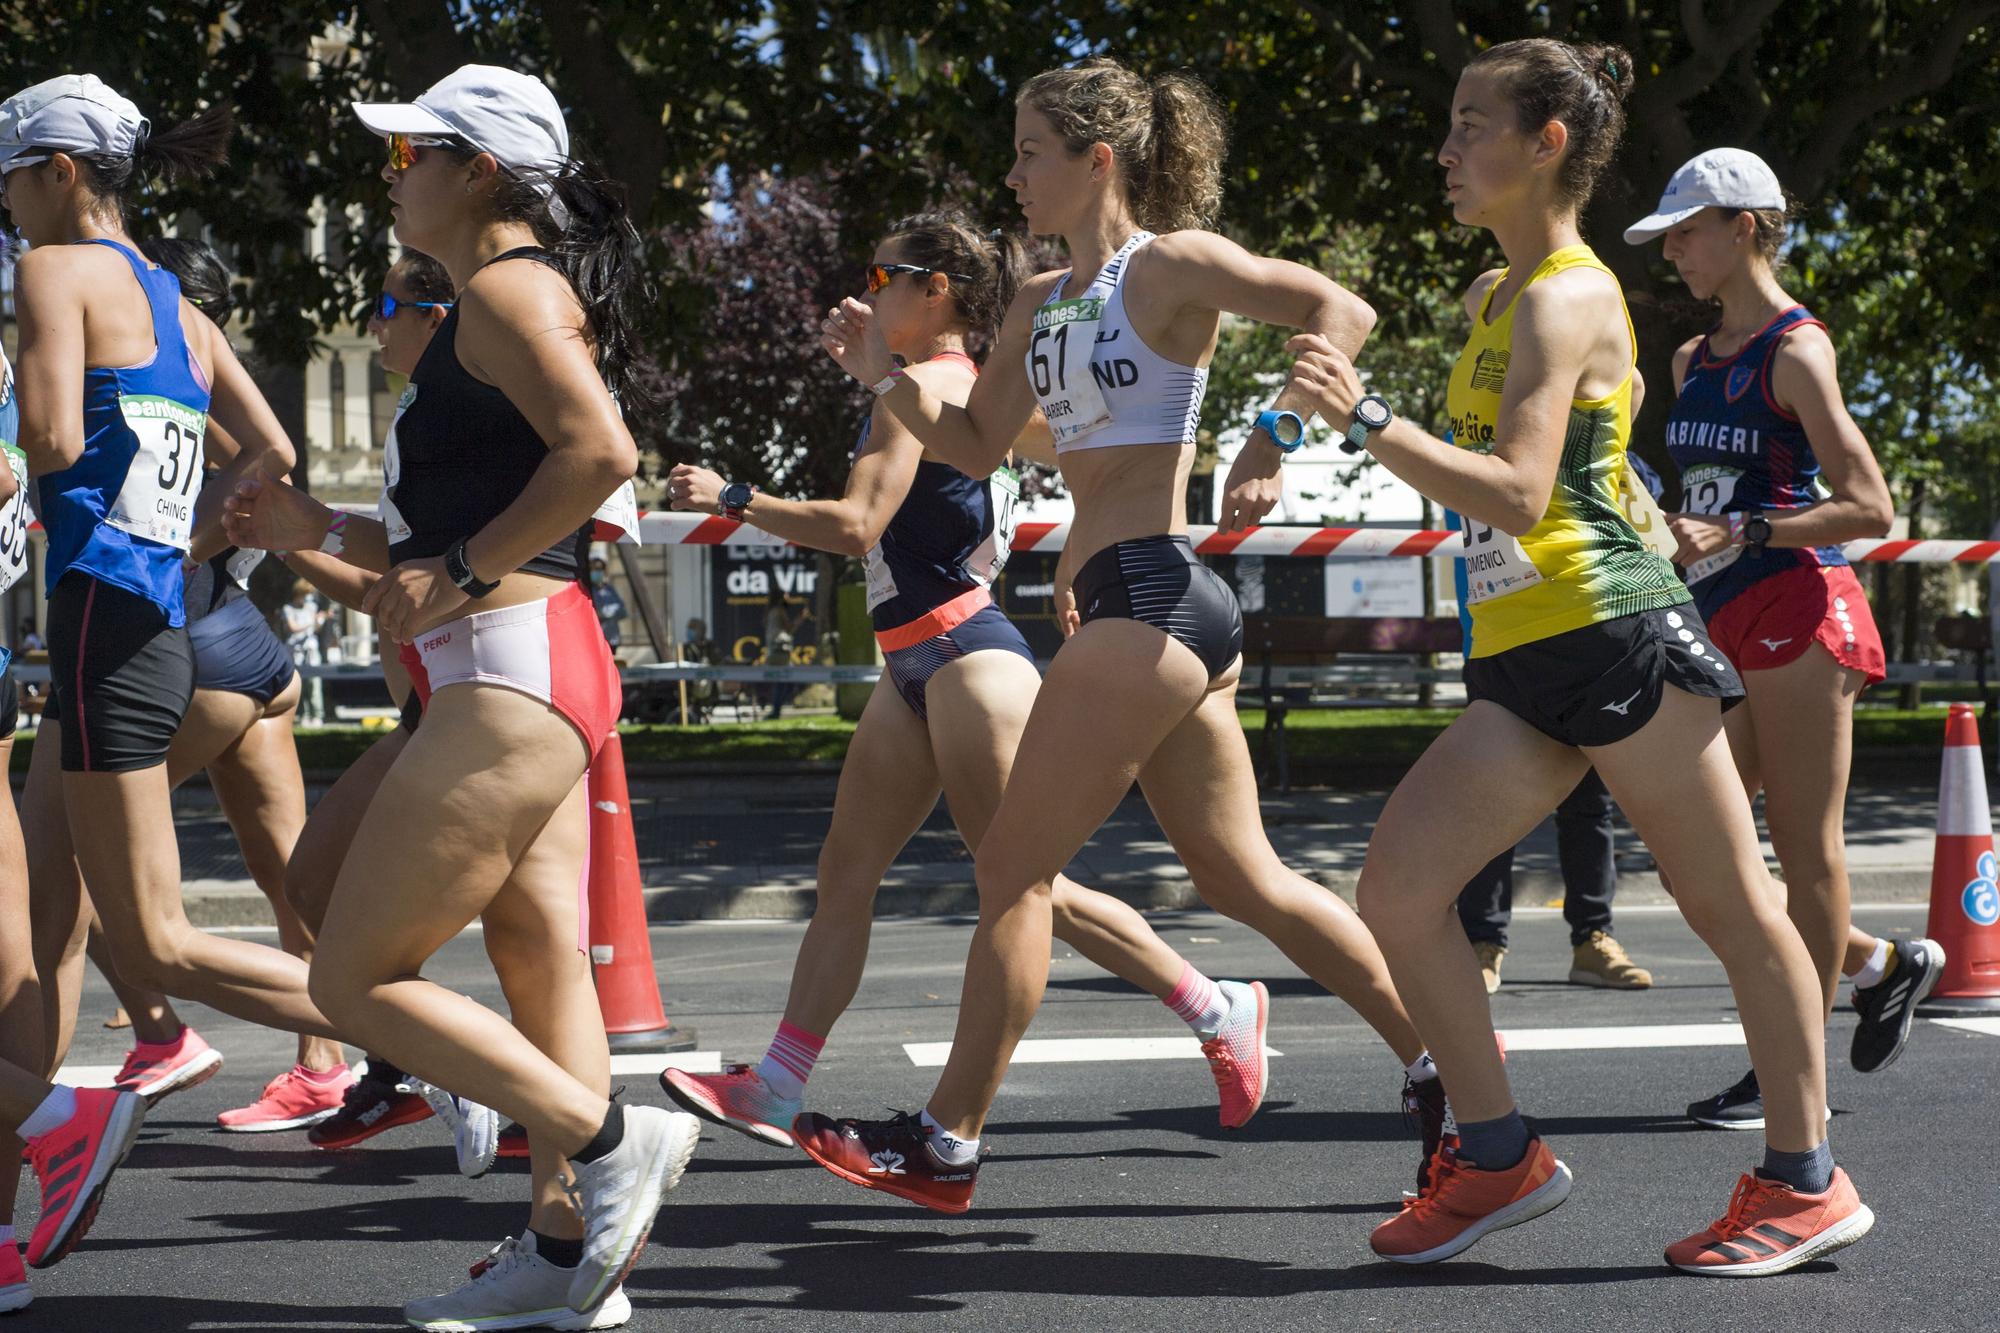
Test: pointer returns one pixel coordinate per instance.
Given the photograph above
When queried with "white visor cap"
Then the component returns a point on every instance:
(499, 111)
(75, 113)
(1719, 178)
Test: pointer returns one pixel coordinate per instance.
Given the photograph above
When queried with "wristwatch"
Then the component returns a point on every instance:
(736, 499)
(1756, 531)
(460, 572)
(1286, 429)
(1370, 415)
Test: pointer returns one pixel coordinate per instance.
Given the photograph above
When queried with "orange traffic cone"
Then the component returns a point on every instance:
(621, 955)
(1965, 878)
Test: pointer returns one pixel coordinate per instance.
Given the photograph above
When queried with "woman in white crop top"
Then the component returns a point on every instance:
(1115, 352)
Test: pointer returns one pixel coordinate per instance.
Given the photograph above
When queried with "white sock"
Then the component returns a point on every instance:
(1875, 968)
(55, 1110)
(1422, 1069)
(951, 1149)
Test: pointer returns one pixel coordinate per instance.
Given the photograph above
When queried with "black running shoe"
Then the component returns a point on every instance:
(894, 1156)
(1888, 1007)
(380, 1099)
(1740, 1106)
(1425, 1103)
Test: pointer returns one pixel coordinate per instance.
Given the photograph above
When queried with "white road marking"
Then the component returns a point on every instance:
(1985, 1027)
(647, 1062)
(87, 1076)
(1622, 1038)
(1073, 1050)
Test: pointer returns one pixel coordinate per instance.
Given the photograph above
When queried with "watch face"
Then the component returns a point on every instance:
(1288, 428)
(1372, 412)
(735, 495)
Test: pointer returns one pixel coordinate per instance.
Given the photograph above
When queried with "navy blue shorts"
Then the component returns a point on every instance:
(1159, 581)
(911, 668)
(236, 650)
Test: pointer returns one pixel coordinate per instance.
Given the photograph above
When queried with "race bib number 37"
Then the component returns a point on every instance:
(1059, 367)
(157, 500)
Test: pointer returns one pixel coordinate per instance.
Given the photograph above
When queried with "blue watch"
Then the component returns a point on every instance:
(1286, 429)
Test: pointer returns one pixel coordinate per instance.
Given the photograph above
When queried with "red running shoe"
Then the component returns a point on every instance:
(154, 1069)
(894, 1156)
(1771, 1228)
(1461, 1203)
(14, 1291)
(74, 1162)
(292, 1100)
(513, 1141)
(1236, 1052)
(379, 1100)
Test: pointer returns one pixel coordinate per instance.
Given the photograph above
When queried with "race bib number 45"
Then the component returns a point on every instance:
(1059, 367)
(157, 500)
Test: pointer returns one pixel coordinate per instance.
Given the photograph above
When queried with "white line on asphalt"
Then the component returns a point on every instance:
(694, 1062)
(1985, 1027)
(87, 1076)
(1073, 1050)
(1623, 1038)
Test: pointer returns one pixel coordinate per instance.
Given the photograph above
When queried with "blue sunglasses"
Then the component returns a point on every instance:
(386, 306)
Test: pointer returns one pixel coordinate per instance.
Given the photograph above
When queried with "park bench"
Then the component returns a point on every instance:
(1272, 642)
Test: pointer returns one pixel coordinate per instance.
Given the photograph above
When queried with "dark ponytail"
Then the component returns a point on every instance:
(187, 151)
(204, 278)
(596, 247)
(1582, 85)
(989, 267)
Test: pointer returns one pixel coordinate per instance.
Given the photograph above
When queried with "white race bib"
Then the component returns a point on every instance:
(621, 512)
(1708, 489)
(881, 582)
(990, 557)
(392, 472)
(1495, 564)
(241, 564)
(15, 517)
(157, 500)
(1059, 367)
(1644, 514)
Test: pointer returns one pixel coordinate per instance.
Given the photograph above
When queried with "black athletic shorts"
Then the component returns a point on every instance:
(413, 711)
(10, 704)
(120, 677)
(1602, 683)
(1159, 582)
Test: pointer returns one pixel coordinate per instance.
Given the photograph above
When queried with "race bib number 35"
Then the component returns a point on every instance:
(157, 500)
(1059, 367)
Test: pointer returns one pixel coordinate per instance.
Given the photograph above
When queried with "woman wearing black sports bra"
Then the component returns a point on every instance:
(1146, 687)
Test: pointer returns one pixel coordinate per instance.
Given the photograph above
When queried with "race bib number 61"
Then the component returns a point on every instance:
(157, 500)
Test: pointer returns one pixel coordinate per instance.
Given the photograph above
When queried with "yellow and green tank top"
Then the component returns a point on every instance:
(1583, 562)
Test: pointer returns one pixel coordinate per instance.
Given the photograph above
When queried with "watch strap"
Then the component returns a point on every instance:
(459, 570)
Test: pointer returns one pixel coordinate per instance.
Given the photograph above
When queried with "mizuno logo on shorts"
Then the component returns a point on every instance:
(1774, 645)
(1624, 708)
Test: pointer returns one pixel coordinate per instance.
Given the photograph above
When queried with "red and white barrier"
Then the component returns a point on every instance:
(671, 529)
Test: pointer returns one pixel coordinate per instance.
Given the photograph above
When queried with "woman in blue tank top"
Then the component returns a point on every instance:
(118, 378)
(1775, 475)
(960, 679)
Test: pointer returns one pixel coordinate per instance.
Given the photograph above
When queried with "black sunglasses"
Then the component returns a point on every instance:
(880, 274)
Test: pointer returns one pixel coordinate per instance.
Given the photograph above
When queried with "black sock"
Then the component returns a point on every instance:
(609, 1135)
(561, 1253)
(1494, 1145)
(1808, 1172)
(382, 1067)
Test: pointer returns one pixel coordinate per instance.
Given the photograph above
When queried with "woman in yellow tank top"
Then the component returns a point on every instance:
(1578, 631)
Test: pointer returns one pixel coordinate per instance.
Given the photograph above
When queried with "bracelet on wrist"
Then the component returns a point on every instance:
(335, 541)
(887, 382)
(1736, 522)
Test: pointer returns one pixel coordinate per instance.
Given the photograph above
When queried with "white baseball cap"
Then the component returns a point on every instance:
(1719, 178)
(75, 113)
(499, 111)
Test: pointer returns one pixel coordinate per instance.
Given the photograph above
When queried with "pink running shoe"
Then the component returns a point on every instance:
(74, 1162)
(292, 1100)
(14, 1292)
(1236, 1052)
(154, 1069)
(739, 1098)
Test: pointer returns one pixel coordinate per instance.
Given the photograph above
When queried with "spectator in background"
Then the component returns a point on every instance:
(27, 641)
(780, 623)
(300, 620)
(610, 606)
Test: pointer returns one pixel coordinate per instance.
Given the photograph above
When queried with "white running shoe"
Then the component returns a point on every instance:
(618, 1194)
(475, 1129)
(513, 1287)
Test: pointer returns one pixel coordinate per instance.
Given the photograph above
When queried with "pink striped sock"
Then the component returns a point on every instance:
(1198, 1001)
(789, 1063)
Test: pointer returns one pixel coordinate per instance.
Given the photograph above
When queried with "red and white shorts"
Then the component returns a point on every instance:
(552, 650)
(1775, 620)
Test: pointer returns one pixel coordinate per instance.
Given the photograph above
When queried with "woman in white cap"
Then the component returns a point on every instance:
(507, 441)
(1775, 475)
(1585, 651)
(118, 378)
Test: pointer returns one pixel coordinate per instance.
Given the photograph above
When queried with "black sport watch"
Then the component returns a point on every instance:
(735, 499)
(1756, 531)
(460, 572)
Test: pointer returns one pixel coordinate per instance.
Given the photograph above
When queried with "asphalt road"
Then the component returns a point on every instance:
(1112, 1200)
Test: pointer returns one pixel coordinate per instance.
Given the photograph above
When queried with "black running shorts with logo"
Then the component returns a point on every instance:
(1602, 683)
(120, 676)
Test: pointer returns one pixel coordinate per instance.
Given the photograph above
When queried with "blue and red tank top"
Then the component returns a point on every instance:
(1739, 451)
(941, 552)
(122, 512)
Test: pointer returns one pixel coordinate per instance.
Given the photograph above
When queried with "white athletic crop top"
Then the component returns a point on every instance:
(1132, 394)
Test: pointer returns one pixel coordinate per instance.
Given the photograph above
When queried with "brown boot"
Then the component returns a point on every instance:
(1601, 961)
(1490, 955)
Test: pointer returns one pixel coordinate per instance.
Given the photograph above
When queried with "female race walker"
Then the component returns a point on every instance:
(119, 375)
(507, 442)
(75, 1137)
(239, 729)
(1115, 352)
(949, 711)
(1775, 475)
(1585, 651)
